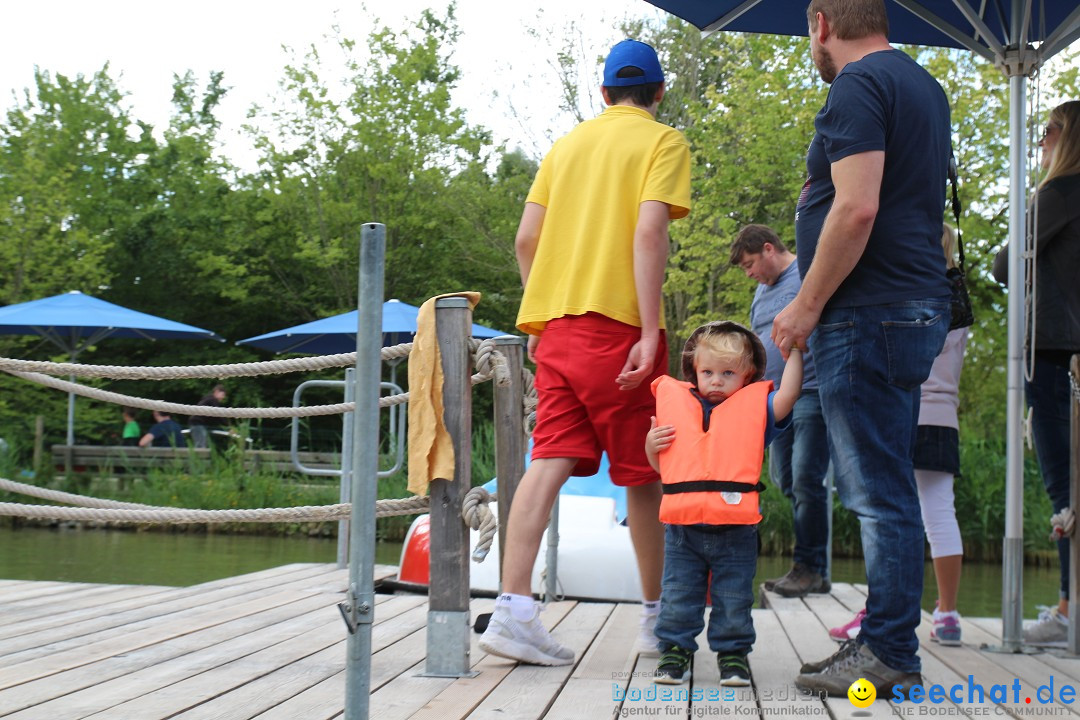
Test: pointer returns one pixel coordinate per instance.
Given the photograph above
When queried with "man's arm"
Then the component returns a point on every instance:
(650, 260)
(857, 179)
(525, 242)
(146, 440)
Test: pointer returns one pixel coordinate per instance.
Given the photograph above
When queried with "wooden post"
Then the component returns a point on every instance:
(510, 438)
(1073, 634)
(39, 443)
(448, 594)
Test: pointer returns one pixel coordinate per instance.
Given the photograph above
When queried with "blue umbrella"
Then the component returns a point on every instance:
(337, 334)
(74, 321)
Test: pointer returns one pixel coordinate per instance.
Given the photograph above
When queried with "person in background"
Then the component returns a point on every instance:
(1056, 208)
(592, 247)
(798, 456)
(132, 432)
(202, 425)
(165, 432)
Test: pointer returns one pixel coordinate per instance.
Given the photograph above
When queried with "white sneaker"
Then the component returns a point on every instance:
(1050, 630)
(524, 641)
(646, 645)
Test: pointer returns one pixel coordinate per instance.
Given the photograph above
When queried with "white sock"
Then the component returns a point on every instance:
(522, 607)
(940, 615)
(650, 607)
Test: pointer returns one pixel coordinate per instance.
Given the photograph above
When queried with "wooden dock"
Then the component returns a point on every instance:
(271, 645)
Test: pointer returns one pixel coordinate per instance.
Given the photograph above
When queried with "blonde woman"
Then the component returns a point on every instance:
(1057, 331)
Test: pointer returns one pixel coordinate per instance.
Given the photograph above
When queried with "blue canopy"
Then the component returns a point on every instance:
(984, 28)
(337, 334)
(74, 321)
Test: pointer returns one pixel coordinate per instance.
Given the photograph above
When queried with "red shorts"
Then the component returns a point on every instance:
(580, 410)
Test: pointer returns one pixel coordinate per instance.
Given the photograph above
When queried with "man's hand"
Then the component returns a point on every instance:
(639, 363)
(793, 326)
(530, 350)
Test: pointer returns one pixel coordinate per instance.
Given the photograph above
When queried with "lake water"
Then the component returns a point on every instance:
(157, 558)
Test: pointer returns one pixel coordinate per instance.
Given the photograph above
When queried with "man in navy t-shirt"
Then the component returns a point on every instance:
(874, 305)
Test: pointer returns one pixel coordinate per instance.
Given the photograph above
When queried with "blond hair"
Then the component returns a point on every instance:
(1066, 156)
(948, 244)
(727, 346)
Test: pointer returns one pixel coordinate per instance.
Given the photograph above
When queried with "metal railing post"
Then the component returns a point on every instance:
(448, 595)
(359, 606)
(510, 437)
(345, 491)
(1073, 635)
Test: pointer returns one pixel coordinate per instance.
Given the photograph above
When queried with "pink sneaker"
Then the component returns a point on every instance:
(849, 631)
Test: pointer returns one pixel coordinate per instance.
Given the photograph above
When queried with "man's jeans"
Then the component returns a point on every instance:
(798, 463)
(870, 362)
(730, 552)
(1048, 395)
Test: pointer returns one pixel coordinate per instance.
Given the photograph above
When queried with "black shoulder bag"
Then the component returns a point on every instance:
(962, 315)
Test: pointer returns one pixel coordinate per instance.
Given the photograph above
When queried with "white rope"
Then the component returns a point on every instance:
(205, 410)
(180, 372)
(477, 515)
(68, 498)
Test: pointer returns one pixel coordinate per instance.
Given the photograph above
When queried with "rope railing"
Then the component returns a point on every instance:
(475, 511)
(489, 363)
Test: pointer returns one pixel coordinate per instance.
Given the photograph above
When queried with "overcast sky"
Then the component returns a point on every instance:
(145, 43)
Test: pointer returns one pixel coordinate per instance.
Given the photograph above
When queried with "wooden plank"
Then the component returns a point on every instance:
(774, 666)
(89, 629)
(135, 637)
(529, 690)
(272, 689)
(21, 620)
(68, 683)
(168, 700)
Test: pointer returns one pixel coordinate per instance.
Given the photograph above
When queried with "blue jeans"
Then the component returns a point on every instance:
(730, 553)
(798, 463)
(871, 361)
(1048, 396)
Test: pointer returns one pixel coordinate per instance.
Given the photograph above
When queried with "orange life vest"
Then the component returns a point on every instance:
(711, 473)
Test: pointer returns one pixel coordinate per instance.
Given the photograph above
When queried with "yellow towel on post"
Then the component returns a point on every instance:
(431, 450)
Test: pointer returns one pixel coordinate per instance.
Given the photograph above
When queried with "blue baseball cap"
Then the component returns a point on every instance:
(632, 53)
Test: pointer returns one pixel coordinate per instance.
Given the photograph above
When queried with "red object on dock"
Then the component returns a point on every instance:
(416, 553)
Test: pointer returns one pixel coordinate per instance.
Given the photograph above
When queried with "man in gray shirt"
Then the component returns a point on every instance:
(798, 456)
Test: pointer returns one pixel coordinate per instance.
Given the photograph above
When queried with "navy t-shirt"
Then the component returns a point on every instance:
(885, 101)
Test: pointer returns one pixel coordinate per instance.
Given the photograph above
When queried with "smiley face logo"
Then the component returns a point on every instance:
(862, 693)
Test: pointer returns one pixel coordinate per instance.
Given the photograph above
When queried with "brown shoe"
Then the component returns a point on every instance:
(854, 661)
(800, 582)
(771, 583)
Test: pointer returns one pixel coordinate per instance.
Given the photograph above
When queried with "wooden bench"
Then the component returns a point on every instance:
(137, 460)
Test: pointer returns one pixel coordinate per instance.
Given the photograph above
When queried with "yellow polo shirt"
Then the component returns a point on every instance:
(591, 183)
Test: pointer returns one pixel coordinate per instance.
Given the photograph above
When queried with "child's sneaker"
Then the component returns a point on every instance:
(850, 631)
(673, 667)
(734, 670)
(524, 641)
(647, 643)
(946, 628)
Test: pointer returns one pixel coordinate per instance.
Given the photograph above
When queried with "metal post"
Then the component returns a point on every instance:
(510, 437)
(448, 595)
(551, 561)
(1074, 495)
(1012, 591)
(345, 492)
(359, 606)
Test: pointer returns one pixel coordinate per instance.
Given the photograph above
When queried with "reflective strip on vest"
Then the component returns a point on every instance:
(731, 450)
